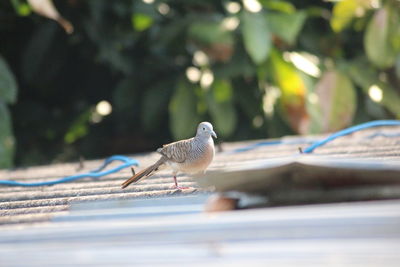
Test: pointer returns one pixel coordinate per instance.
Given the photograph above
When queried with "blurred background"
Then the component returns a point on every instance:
(91, 78)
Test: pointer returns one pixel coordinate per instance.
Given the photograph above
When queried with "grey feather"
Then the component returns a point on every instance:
(189, 155)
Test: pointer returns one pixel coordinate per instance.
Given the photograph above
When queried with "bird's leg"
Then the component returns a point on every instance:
(176, 184)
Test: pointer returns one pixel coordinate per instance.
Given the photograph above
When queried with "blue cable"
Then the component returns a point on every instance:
(350, 130)
(93, 174)
(383, 135)
(253, 146)
(316, 144)
(299, 141)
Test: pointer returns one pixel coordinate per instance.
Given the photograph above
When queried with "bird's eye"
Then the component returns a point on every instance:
(204, 129)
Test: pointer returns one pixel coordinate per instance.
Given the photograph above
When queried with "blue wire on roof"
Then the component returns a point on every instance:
(298, 141)
(253, 146)
(97, 173)
(382, 135)
(315, 144)
(350, 130)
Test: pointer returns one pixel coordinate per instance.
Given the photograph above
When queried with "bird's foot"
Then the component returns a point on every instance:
(182, 187)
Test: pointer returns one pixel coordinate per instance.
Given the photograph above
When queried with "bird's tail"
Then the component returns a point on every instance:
(144, 173)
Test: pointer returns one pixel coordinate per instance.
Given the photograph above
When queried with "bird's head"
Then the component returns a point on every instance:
(205, 129)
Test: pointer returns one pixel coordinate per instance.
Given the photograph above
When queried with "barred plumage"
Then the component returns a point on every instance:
(189, 155)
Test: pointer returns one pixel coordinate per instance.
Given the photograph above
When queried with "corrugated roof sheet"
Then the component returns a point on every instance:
(95, 221)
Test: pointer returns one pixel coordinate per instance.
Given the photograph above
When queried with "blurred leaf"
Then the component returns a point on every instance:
(287, 26)
(8, 85)
(337, 100)
(256, 36)
(316, 118)
(22, 8)
(38, 48)
(183, 111)
(249, 100)
(221, 107)
(210, 32)
(213, 38)
(365, 76)
(397, 66)
(373, 108)
(278, 5)
(219, 52)
(79, 128)
(124, 95)
(394, 27)
(170, 32)
(110, 54)
(343, 13)
(126, 104)
(313, 109)
(155, 102)
(293, 92)
(141, 22)
(240, 65)
(376, 39)
(362, 73)
(318, 11)
(6, 137)
(222, 91)
(47, 9)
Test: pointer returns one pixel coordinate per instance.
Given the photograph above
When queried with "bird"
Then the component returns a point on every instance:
(189, 156)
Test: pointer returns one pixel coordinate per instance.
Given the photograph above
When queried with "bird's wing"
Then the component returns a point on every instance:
(177, 151)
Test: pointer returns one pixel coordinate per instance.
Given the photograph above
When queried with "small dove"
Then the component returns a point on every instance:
(190, 156)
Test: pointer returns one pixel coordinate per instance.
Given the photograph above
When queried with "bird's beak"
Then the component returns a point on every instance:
(214, 134)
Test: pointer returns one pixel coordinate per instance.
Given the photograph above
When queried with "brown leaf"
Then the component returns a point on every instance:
(337, 100)
(47, 9)
(298, 118)
(219, 52)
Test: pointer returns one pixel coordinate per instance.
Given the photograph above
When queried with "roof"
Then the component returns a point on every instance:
(95, 221)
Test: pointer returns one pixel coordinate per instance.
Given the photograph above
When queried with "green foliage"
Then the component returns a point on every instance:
(277, 67)
(256, 35)
(141, 22)
(8, 94)
(366, 76)
(287, 26)
(8, 85)
(377, 41)
(343, 13)
(78, 128)
(155, 102)
(209, 32)
(293, 92)
(22, 8)
(6, 137)
(183, 110)
(221, 106)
